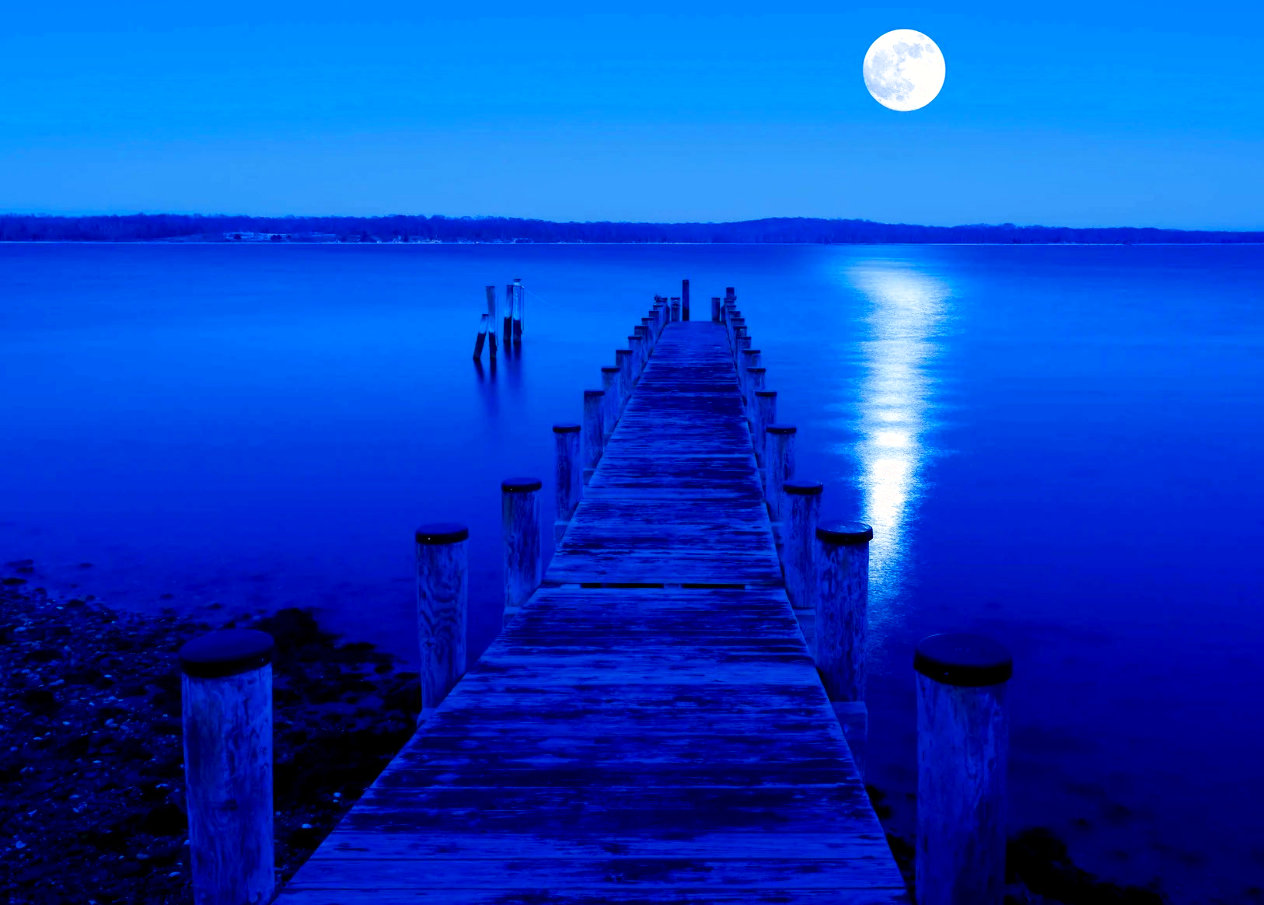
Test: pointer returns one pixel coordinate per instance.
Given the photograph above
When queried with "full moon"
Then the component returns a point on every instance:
(904, 70)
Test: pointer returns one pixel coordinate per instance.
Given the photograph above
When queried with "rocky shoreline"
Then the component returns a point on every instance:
(93, 811)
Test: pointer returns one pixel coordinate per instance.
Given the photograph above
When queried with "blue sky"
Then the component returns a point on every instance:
(1079, 113)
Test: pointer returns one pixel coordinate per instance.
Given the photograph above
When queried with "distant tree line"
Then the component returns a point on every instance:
(177, 227)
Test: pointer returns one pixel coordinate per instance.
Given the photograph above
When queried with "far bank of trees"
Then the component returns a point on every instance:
(401, 228)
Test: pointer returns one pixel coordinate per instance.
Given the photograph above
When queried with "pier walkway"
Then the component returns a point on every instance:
(650, 727)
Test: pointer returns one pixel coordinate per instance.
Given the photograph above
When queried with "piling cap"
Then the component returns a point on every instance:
(230, 652)
(803, 488)
(781, 429)
(846, 533)
(588, 393)
(751, 352)
(765, 393)
(520, 485)
(442, 533)
(611, 369)
(569, 427)
(618, 352)
(967, 661)
(756, 370)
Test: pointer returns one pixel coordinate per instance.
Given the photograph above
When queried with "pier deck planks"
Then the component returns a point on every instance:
(632, 744)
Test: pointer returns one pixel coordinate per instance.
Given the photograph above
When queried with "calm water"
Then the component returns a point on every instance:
(1057, 446)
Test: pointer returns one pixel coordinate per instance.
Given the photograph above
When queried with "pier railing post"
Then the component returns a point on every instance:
(594, 440)
(962, 757)
(841, 625)
(226, 702)
(568, 473)
(442, 609)
(798, 550)
(779, 448)
(764, 414)
(520, 521)
(610, 384)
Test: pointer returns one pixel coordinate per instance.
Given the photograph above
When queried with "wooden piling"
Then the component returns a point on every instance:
(593, 431)
(730, 295)
(623, 358)
(798, 551)
(520, 524)
(716, 309)
(841, 625)
(519, 313)
(675, 308)
(610, 407)
(226, 703)
(442, 609)
(750, 358)
(684, 300)
(508, 322)
(491, 319)
(962, 757)
(647, 324)
(779, 446)
(756, 380)
(643, 339)
(568, 472)
(638, 356)
(481, 338)
(764, 414)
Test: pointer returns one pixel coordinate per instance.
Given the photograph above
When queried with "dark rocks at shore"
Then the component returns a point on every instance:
(92, 763)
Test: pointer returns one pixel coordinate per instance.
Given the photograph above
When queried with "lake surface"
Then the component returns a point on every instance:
(1057, 446)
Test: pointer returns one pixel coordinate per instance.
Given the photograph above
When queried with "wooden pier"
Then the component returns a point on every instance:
(650, 726)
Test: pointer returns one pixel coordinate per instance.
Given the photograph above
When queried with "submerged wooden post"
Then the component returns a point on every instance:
(716, 310)
(798, 551)
(491, 319)
(611, 404)
(962, 757)
(509, 309)
(764, 414)
(226, 703)
(594, 439)
(481, 338)
(842, 618)
(684, 300)
(779, 449)
(568, 474)
(520, 522)
(675, 308)
(442, 609)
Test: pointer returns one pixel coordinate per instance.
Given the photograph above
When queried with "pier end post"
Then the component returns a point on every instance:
(684, 300)
(717, 311)
(520, 523)
(841, 630)
(226, 703)
(962, 756)
(443, 568)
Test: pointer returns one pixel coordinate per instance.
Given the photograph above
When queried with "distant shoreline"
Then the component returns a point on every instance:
(449, 244)
(421, 230)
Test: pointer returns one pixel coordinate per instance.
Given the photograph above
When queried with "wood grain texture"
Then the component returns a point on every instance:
(641, 743)
(442, 613)
(520, 525)
(962, 752)
(842, 618)
(228, 777)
